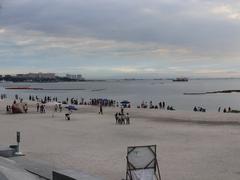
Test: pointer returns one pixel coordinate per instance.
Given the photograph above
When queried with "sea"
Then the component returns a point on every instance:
(137, 91)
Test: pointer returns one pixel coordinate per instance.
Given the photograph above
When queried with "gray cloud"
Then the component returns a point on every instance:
(168, 33)
(185, 23)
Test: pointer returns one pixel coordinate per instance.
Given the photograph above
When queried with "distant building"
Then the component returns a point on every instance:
(75, 76)
(37, 75)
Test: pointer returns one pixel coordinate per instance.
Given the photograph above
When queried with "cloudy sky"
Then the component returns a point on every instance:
(121, 38)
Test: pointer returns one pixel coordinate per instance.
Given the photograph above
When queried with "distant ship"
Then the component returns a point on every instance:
(180, 79)
(23, 88)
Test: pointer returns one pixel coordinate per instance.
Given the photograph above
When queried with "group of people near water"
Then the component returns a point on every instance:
(225, 110)
(220, 109)
(161, 105)
(43, 100)
(103, 102)
(122, 118)
(41, 108)
(58, 107)
(199, 109)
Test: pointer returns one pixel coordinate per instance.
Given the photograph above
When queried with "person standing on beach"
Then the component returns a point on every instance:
(127, 119)
(60, 107)
(229, 109)
(122, 110)
(116, 117)
(38, 107)
(55, 107)
(100, 109)
(160, 105)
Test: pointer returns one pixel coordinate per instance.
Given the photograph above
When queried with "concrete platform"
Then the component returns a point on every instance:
(9, 170)
(48, 172)
(40, 168)
(6, 151)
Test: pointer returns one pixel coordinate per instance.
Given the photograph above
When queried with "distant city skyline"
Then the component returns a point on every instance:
(110, 39)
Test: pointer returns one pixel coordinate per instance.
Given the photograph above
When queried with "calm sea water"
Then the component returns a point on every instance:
(141, 90)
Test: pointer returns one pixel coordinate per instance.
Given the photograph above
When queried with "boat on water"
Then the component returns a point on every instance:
(23, 88)
(184, 79)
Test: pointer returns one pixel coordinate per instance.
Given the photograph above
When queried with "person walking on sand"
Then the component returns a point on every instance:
(219, 109)
(127, 119)
(100, 109)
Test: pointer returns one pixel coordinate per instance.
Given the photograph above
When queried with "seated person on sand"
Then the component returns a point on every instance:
(8, 109)
(67, 115)
(195, 109)
(170, 108)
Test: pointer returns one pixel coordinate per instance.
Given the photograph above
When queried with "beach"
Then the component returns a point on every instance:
(196, 146)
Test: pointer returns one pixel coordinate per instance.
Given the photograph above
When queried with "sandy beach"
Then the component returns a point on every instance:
(194, 146)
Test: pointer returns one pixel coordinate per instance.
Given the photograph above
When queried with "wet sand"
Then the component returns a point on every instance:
(194, 146)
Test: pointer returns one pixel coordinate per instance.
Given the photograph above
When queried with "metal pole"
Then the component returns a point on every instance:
(18, 140)
(18, 153)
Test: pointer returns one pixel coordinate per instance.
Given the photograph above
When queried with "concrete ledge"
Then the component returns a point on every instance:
(70, 174)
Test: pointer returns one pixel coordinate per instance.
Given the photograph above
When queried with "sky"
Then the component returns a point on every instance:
(121, 39)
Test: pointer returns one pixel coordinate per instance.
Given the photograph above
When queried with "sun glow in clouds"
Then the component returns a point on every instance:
(2, 30)
(228, 11)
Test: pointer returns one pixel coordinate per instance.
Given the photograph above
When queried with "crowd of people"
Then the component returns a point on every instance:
(41, 101)
(122, 118)
(103, 102)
